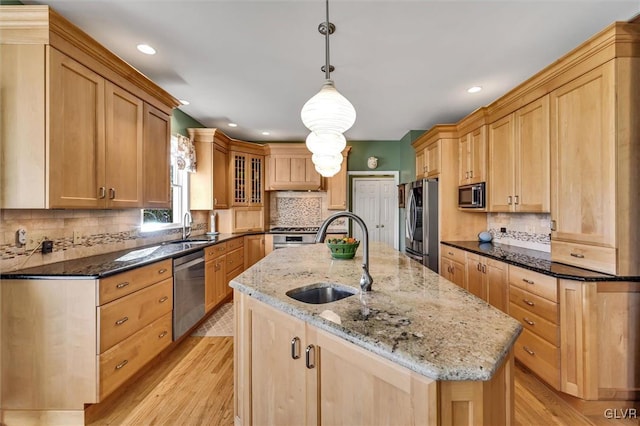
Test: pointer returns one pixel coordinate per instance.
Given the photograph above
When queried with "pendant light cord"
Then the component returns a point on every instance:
(327, 70)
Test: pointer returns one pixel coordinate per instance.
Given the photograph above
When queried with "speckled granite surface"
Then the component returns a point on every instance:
(538, 261)
(413, 316)
(112, 263)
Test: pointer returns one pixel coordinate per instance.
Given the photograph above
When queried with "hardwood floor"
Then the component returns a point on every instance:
(193, 386)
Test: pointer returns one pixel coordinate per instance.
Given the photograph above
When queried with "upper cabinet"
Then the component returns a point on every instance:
(156, 158)
(289, 167)
(209, 186)
(75, 122)
(519, 160)
(247, 177)
(472, 148)
(336, 185)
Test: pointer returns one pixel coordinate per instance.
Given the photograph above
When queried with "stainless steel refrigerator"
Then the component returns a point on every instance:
(422, 222)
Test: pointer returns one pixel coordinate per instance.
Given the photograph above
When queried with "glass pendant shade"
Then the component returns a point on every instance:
(326, 143)
(328, 171)
(326, 160)
(328, 111)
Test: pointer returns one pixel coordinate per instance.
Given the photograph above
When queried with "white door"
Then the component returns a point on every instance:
(374, 200)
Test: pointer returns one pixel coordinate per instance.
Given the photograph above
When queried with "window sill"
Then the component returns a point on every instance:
(150, 228)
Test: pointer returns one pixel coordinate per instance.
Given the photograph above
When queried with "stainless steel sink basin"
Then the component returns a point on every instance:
(321, 293)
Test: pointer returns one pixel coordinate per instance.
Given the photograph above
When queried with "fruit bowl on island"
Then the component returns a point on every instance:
(343, 248)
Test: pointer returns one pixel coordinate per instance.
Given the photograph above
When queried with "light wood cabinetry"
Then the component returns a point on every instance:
(289, 167)
(209, 186)
(336, 185)
(428, 161)
(306, 376)
(254, 249)
(81, 129)
(247, 176)
(215, 275)
(156, 158)
(519, 160)
(452, 265)
(99, 333)
(487, 279)
(472, 148)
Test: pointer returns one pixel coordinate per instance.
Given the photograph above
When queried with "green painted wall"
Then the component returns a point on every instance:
(181, 121)
(10, 2)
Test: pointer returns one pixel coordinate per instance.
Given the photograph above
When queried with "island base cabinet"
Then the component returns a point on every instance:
(289, 372)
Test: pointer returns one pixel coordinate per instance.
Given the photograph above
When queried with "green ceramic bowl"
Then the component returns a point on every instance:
(344, 250)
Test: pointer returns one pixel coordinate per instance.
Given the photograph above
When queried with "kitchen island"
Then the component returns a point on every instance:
(415, 350)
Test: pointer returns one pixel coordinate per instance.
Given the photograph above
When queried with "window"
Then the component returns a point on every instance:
(156, 219)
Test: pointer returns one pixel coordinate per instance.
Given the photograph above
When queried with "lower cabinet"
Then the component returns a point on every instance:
(452, 265)
(487, 279)
(214, 275)
(254, 249)
(292, 373)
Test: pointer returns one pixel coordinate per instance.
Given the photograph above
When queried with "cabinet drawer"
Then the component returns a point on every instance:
(235, 243)
(536, 324)
(123, 317)
(452, 253)
(235, 258)
(124, 359)
(602, 259)
(233, 273)
(115, 286)
(540, 356)
(534, 304)
(534, 282)
(217, 250)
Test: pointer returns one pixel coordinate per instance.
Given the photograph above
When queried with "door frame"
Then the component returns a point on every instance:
(378, 174)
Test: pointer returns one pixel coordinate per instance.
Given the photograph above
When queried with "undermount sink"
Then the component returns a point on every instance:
(321, 293)
(186, 241)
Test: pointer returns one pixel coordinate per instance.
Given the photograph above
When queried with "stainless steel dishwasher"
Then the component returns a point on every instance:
(188, 292)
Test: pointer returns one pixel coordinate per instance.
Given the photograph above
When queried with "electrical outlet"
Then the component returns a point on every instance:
(77, 237)
(34, 238)
(21, 236)
(503, 229)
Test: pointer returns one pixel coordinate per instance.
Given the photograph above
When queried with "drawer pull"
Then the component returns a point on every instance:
(163, 299)
(450, 254)
(122, 364)
(528, 321)
(528, 302)
(162, 271)
(578, 255)
(122, 285)
(527, 281)
(529, 351)
(217, 266)
(122, 320)
(161, 335)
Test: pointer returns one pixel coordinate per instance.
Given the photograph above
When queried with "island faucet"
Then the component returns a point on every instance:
(365, 281)
(186, 223)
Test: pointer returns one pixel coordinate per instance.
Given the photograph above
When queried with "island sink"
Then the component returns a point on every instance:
(321, 293)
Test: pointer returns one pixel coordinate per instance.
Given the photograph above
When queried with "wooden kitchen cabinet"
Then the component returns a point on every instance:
(157, 158)
(247, 176)
(272, 361)
(81, 120)
(336, 185)
(473, 157)
(289, 167)
(428, 160)
(209, 186)
(452, 265)
(518, 178)
(215, 275)
(487, 279)
(254, 249)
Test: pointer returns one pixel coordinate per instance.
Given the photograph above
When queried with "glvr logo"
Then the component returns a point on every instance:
(621, 413)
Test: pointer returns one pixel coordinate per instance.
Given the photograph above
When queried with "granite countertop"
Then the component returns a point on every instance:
(534, 260)
(103, 265)
(413, 317)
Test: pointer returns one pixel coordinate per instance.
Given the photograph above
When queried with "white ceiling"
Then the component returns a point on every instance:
(404, 64)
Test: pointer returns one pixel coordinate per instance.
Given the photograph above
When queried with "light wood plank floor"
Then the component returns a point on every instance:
(193, 386)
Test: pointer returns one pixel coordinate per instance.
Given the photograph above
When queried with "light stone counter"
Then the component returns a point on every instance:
(413, 316)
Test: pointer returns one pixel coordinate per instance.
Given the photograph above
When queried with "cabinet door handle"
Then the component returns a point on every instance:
(529, 351)
(102, 192)
(162, 271)
(528, 302)
(122, 284)
(578, 255)
(122, 364)
(122, 320)
(310, 364)
(295, 348)
(215, 201)
(553, 225)
(517, 199)
(528, 321)
(161, 335)
(377, 226)
(381, 226)
(478, 267)
(527, 281)
(217, 267)
(112, 193)
(509, 199)
(466, 175)
(163, 299)
(471, 174)
(484, 269)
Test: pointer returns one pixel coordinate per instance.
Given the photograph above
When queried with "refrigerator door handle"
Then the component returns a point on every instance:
(410, 221)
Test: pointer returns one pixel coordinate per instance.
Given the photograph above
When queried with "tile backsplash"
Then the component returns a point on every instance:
(300, 208)
(527, 230)
(98, 231)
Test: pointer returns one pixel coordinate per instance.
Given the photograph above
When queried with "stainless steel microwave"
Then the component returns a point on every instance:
(472, 196)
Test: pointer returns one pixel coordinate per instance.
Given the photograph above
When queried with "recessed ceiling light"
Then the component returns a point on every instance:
(232, 125)
(266, 133)
(474, 89)
(146, 49)
(183, 102)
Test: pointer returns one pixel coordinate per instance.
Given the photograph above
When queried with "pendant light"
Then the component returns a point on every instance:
(328, 115)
